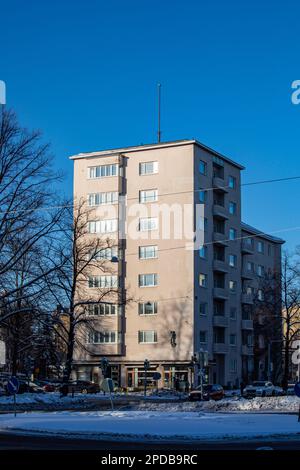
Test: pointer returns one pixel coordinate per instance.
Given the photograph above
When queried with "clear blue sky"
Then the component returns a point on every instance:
(85, 72)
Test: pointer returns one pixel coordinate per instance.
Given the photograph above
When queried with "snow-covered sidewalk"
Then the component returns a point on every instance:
(140, 425)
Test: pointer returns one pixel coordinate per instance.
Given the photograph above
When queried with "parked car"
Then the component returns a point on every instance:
(262, 389)
(214, 392)
(47, 385)
(82, 386)
(290, 389)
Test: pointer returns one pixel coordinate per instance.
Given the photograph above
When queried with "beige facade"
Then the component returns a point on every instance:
(178, 300)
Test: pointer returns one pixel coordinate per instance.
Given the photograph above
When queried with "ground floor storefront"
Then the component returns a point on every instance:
(132, 376)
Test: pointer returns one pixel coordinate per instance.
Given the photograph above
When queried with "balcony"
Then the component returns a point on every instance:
(220, 320)
(247, 299)
(247, 248)
(247, 324)
(220, 348)
(220, 293)
(247, 350)
(219, 265)
(246, 274)
(220, 211)
(220, 238)
(219, 183)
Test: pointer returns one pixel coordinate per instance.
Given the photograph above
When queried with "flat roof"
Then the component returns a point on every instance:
(137, 148)
(255, 231)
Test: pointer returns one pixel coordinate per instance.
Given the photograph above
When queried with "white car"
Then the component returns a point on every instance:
(262, 389)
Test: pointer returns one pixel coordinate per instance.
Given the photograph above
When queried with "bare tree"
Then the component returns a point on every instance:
(73, 285)
(28, 215)
(277, 315)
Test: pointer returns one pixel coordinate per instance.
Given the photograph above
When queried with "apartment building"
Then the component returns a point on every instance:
(180, 300)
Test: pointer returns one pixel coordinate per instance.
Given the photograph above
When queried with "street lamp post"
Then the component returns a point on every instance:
(146, 367)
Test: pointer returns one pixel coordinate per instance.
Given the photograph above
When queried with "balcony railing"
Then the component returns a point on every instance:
(220, 348)
(220, 265)
(220, 211)
(220, 293)
(247, 299)
(247, 247)
(246, 274)
(247, 324)
(220, 184)
(220, 238)
(247, 350)
(220, 320)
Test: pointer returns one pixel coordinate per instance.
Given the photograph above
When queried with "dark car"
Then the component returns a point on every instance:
(210, 392)
(82, 386)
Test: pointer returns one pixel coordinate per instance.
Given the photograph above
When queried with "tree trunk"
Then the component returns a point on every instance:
(70, 352)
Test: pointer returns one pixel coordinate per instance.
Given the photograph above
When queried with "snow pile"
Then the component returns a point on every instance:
(139, 425)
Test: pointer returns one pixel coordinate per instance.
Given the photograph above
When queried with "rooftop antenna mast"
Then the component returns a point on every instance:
(158, 97)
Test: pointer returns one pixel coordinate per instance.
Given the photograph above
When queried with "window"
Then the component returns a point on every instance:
(260, 270)
(219, 308)
(203, 336)
(148, 252)
(98, 199)
(219, 226)
(102, 309)
(250, 266)
(260, 295)
(260, 247)
(203, 308)
(103, 226)
(232, 340)
(148, 223)
(232, 261)
(203, 280)
(202, 196)
(203, 223)
(203, 252)
(232, 208)
(103, 281)
(105, 253)
(232, 313)
(232, 286)
(233, 365)
(249, 290)
(148, 168)
(148, 280)
(219, 335)
(148, 308)
(100, 337)
(202, 167)
(232, 234)
(147, 336)
(102, 171)
(148, 195)
(232, 182)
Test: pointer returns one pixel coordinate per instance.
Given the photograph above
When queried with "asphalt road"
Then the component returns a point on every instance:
(12, 442)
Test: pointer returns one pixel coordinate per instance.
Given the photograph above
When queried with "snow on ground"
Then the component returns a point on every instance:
(156, 403)
(154, 425)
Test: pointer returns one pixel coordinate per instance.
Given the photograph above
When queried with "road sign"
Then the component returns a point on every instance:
(107, 385)
(297, 389)
(13, 385)
(156, 376)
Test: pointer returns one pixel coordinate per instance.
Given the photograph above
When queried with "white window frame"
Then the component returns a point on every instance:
(234, 259)
(104, 171)
(142, 278)
(103, 226)
(103, 198)
(91, 339)
(143, 168)
(147, 196)
(145, 250)
(102, 310)
(148, 224)
(204, 278)
(105, 253)
(142, 308)
(142, 336)
(103, 281)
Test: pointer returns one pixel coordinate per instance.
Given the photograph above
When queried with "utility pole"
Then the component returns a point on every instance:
(159, 99)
